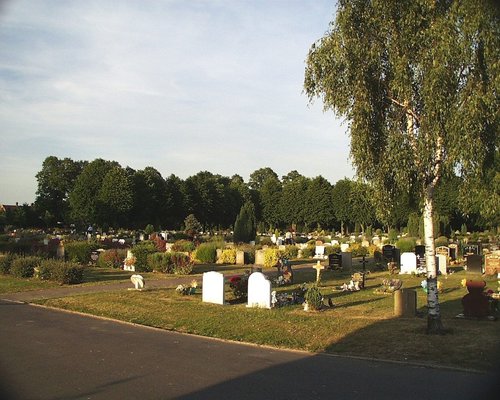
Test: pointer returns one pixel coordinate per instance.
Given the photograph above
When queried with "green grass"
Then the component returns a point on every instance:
(360, 324)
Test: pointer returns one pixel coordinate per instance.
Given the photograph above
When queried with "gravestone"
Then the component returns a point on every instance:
(335, 261)
(420, 253)
(442, 264)
(471, 248)
(346, 260)
(240, 257)
(453, 251)
(259, 257)
(319, 253)
(474, 263)
(318, 267)
(408, 263)
(492, 263)
(259, 291)
(444, 250)
(405, 302)
(388, 252)
(213, 288)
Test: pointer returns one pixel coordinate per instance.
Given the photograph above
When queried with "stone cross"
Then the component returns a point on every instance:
(318, 267)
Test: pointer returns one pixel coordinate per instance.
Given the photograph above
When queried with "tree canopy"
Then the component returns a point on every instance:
(418, 83)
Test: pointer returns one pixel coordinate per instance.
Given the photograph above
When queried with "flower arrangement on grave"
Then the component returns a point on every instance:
(424, 286)
(389, 286)
(187, 290)
(285, 299)
(239, 285)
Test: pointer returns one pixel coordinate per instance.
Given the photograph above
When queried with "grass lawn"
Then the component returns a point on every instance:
(360, 324)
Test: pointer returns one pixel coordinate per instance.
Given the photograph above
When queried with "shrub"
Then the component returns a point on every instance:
(6, 263)
(161, 262)
(309, 251)
(112, 258)
(183, 245)
(228, 256)
(265, 241)
(441, 241)
(331, 249)
(64, 272)
(357, 250)
(182, 263)
(207, 252)
(314, 298)
(141, 251)
(406, 244)
(271, 257)
(291, 251)
(80, 251)
(24, 267)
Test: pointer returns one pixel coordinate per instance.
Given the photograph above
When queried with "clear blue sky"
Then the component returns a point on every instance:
(181, 86)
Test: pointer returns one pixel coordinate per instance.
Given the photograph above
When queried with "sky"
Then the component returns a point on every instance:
(182, 86)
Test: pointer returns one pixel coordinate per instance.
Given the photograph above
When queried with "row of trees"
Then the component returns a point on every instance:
(103, 193)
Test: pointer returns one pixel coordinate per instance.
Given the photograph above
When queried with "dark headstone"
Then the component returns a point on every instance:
(453, 251)
(475, 303)
(420, 253)
(335, 261)
(388, 252)
(471, 248)
(474, 263)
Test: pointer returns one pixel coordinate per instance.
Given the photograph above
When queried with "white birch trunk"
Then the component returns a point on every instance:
(434, 324)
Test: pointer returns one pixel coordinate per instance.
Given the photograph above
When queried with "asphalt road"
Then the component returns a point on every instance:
(50, 354)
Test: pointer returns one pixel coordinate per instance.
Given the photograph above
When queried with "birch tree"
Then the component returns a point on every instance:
(418, 83)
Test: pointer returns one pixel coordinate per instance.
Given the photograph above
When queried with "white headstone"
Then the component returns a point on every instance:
(213, 288)
(259, 291)
(344, 247)
(408, 263)
(442, 262)
(319, 253)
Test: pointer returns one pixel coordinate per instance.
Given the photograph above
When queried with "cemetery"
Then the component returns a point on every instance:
(284, 295)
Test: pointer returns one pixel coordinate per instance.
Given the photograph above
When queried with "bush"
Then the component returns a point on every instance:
(441, 241)
(112, 258)
(24, 267)
(357, 250)
(183, 246)
(141, 251)
(6, 263)
(207, 253)
(271, 257)
(309, 251)
(406, 245)
(182, 263)
(68, 273)
(161, 262)
(333, 249)
(228, 256)
(80, 251)
(265, 241)
(291, 251)
(314, 298)
(239, 285)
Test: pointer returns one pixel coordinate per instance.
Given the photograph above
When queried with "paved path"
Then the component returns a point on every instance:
(51, 354)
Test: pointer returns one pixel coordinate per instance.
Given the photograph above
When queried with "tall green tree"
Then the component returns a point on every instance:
(293, 199)
(270, 198)
(259, 176)
(115, 198)
(55, 181)
(418, 82)
(245, 226)
(319, 211)
(83, 198)
(341, 193)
